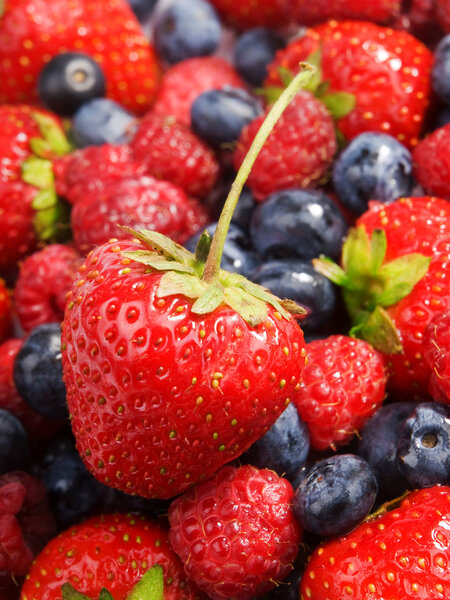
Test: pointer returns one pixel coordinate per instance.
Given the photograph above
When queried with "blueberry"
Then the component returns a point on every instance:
(238, 255)
(297, 223)
(218, 116)
(288, 588)
(440, 74)
(423, 452)
(14, 445)
(68, 80)
(374, 166)
(285, 446)
(253, 51)
(142, 9)
(102, 121)
(38, 371)
(378, 446)
(186, 28)
(244, 210)
(297, 280)
(336, 494)
(442, 117)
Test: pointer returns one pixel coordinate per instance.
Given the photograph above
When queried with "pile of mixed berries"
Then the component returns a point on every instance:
(224, 332)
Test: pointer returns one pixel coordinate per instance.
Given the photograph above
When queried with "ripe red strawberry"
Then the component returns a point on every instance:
(236, 532)
(36, 425)
(6, 322)
(403, 553)
(171, 151)
(244, 14)
(183, 82)
(298, 152)
(112, 551)
(26, 524)
(343, 385)
(310, 13)
(32, 32)
(44, 279)
(436, 343)
(387, 71)
(89, 170)
(144, 201)
(432, 163)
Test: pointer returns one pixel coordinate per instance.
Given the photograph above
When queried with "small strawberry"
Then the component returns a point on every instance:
(143, 201)
(386, 71)
(299, 151)
(311, 13)
(343, 385)
(402, 553)
(171, 151)
(182, 83)
(32, 32)
(432, 163)
(436, 343)
(236, 532)
(109, 551)
(44, 279)
(245, 14)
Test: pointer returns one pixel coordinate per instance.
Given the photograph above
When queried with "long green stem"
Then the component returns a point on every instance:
(212, 266)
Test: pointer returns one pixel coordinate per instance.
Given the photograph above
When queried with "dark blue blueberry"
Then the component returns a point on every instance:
(102, 121)
(68, 80)
(378, 446)
(218, 116)
(423, 452)
(38, 371)
(297, 223)
(442, 117)
(14, 445)
(253, 51)
(244, 210)
(186, 28)
(440, 74)
(238, 255)
(374, 166)
(297, 280)
(288, 588)
(337, 494)
(142, 9)
(285, 446)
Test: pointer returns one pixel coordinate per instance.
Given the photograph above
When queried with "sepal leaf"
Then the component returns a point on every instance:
(68, 592)
(157, 262)
(380, 331)
(339, 104)
(251, 309)
(401, 275)
(172, 283)
(211, 299)
(163, 244)
(150, 586)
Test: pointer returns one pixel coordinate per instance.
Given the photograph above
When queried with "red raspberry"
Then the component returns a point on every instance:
(343, 384)
(236, 532)
(44, 279)
(171, 151)
(436, 346)
(432, 162)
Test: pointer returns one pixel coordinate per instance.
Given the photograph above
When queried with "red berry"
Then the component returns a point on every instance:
(436, 344)
(432, 163)
(245, 14)
(311, 13)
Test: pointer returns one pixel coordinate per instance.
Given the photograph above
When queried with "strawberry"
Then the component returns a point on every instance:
(6, 322)
(386, 71)
(402, 553)
(298, 152)
(171, 151)
(183, 82)
(343, 385)
(32, 32)
(144, 201)
(310, 13)
(245, 14)
(112, 551)
(436, 343)
(443, 14)
(236, 533)
(432, 164)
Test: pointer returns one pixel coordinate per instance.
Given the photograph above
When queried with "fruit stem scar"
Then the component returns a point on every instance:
(212, 266)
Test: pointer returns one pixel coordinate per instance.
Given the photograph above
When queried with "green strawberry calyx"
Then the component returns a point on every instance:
(370, 285)
(51, 217)
(199, 275)
(149, 587)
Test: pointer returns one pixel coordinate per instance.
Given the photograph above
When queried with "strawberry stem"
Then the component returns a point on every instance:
(212, 266)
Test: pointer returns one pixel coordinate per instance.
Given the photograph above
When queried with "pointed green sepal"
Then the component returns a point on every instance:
(203, 246)
(68, 592)
(211, 299)
(172, 283)
(380, 331)
(400, 276)
(270, 93)
(157, 262)
(150, 586)
(338, 104)
(52, 133)
(38, 172)
(40, 147)
(105, 595)
(44, 200)
(52, 224)
(251, 309)
(315, 60)
(285, 75)
(163, 244)
(329, 269)
(293, 308)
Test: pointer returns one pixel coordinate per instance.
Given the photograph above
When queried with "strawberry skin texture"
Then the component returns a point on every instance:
(32, 32)
(388, 72)
(236, 533)
(403, 554)
(159, 397)
(111, 551)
